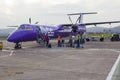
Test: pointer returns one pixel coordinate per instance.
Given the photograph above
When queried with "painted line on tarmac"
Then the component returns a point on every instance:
(98, 49)
(11, 53)
(114, 70)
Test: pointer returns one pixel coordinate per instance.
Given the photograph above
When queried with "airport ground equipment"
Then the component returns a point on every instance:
(1, 45)
(115, 37)
(98, 36)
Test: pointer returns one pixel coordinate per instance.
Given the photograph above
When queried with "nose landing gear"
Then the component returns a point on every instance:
(17, 46)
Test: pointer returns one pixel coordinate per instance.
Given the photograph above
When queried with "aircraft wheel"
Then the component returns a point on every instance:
(17, 46)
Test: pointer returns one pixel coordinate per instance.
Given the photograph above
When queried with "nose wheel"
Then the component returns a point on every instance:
(17, 46)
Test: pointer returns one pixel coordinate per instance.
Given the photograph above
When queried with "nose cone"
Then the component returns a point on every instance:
(20, 36)
(12, 37)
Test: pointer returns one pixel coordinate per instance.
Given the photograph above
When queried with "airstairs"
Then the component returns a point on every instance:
(40, 39)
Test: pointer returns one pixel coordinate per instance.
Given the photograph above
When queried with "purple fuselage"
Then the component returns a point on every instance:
(29, 32)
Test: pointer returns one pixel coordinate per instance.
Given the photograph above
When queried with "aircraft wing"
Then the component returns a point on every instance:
(96, 23)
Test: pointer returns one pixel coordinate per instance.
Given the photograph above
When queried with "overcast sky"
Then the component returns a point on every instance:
(16, 12)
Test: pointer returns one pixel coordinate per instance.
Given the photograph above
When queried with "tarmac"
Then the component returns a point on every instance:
(97, 61)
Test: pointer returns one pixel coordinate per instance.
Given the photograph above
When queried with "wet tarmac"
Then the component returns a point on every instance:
(33, 62)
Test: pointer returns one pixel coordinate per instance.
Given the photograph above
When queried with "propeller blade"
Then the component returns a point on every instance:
(30, 20)
(36, 22)
(70, 20)
(79, 19)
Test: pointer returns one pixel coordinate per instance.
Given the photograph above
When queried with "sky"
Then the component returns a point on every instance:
(53, 12)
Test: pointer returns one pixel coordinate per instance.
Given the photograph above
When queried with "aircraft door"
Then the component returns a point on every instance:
(40, 36)
(38, 29)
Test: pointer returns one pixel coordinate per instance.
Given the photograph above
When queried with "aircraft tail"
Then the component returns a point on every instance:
(80, 18)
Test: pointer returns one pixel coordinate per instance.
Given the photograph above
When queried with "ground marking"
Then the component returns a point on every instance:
(11, 53)
(113, 73)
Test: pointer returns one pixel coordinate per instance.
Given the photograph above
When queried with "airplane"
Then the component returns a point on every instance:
(29, 32)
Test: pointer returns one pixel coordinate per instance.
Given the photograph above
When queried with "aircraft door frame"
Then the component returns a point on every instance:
(38, 29)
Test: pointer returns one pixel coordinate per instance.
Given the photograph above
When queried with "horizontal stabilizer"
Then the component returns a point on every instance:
(83, 13)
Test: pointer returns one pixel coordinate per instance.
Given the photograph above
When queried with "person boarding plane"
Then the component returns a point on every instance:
(29, 32)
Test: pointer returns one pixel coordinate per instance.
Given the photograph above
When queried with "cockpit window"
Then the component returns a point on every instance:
(21, 28)
(25, 28)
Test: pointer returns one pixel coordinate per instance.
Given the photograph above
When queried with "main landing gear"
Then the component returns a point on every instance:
(17, 46)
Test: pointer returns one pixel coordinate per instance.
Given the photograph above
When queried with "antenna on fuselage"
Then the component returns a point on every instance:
(80, 18)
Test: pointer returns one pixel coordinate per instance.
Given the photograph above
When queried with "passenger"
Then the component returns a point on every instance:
(70, 41)
(59, 40)
(78, 40)
(47, 40)
(75, 43)
(62, 43)
(82, 41)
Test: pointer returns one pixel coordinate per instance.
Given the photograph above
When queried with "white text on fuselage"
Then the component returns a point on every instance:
(65, 30)
(81, 28)
(50, 33)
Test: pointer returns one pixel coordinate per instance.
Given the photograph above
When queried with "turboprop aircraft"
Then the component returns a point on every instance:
(29, 32)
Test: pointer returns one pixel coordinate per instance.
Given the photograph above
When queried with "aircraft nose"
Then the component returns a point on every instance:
(9, 39)
(12, 37)
(20, 36)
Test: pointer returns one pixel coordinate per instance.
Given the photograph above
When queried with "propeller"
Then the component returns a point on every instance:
(79, 20)
(74, 26)
(30, 21)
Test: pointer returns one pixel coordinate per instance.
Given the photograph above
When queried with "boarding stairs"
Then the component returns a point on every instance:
(40, 39)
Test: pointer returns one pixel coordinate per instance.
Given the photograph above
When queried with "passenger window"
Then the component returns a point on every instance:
(25, 28)
(28, 28)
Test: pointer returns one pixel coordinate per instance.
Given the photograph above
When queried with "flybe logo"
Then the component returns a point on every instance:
(65, 30)
(81, 28)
